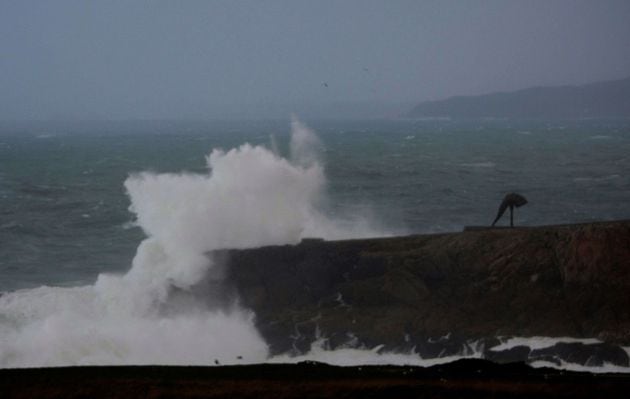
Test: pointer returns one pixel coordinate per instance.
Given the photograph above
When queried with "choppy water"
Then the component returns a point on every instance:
(64, 217)
(63, 207)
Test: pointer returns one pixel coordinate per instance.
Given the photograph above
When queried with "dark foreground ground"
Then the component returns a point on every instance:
(461, 379)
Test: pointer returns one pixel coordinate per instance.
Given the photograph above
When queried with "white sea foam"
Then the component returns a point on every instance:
(605, 368)
(349, 356)
(52, 326)
(540, 342)
(596, 179)
(486, 164)
(154, 313)
(373, 356)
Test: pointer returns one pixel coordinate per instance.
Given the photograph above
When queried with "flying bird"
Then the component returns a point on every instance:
(511, 200)
(324, 84)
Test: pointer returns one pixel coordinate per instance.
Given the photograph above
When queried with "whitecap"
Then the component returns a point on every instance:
(366, 356)
(486, 164)
(538, 342)
(600, 178)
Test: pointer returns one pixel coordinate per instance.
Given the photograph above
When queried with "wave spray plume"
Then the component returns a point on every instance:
(157, 313)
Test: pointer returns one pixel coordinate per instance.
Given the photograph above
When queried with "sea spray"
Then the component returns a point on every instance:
(153, 314)
(305, 145)
(50, 326)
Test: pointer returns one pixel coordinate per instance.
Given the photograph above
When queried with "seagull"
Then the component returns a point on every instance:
(324, 84)
(511, 200)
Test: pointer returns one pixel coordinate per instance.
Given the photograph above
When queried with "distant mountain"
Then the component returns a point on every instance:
(609, 99)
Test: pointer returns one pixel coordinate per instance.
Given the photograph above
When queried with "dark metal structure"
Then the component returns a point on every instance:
(511, 200)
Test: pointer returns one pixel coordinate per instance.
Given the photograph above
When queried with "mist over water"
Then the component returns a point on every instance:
(155, 312)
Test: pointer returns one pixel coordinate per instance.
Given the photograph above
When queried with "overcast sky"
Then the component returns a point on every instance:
(178, 59)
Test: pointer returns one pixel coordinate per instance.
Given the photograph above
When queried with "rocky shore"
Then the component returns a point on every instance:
(438, 293)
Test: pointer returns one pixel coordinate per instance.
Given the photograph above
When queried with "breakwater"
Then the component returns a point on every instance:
(417, 291)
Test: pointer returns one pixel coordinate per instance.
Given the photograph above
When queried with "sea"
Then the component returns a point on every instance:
(99, 218)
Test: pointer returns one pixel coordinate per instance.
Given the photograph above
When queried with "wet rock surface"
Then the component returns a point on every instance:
(408, 293)
(593, 355)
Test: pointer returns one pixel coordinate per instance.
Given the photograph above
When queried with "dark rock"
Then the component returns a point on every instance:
(444, 346)
(592, 355)
(544, 281)
(518, 353)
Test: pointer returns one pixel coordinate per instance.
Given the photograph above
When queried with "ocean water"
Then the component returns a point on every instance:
(99, 219)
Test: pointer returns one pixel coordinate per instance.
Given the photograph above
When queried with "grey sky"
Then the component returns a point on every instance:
(145, 59)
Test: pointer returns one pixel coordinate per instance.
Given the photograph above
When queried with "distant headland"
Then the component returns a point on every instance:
(606, 99)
